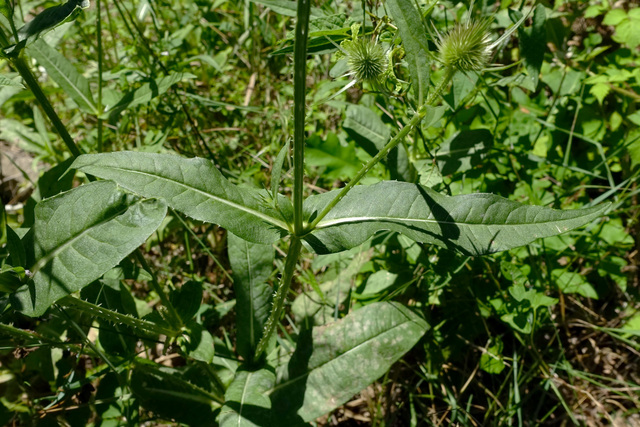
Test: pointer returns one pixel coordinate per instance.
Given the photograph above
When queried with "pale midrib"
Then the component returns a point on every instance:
(348, 220)
(244, 393)
(64, 76)
(229, 203)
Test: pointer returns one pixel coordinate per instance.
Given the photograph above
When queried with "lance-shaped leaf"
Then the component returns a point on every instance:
(334, 362)
(194, 187)
(146, 92)
(475, 224)
(64, 74)
(246, 403)
(252, 265)
(80, 235)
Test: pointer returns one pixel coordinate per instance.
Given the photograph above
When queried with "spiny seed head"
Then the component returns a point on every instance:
(467, 46)
(366, 59)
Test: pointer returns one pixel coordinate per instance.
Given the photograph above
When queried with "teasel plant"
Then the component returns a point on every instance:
(466, 48)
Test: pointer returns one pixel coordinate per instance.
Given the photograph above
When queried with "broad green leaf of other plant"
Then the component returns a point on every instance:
(80, 235)
(475, 224)
(246, 403)
(336, 361)
(194, 187)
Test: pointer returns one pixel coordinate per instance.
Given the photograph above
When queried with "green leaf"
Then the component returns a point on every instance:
(614, 17)
(573, 283)
(194, 187)
(5, 81)
(80, 235)
(475, 224)
(146, 92)
(378, 282)
(628, 31)
(11, 278)
(334, 362)
(370, 133)
(187, 300)
(491, 360)
(533, 42)
(415, 42)
(64, 74)
(286, 7)
(246, 400)
(276, 171)
(197, 343)
(252, 265)
(600, 91)
(5, 9)
(17, 254)
(3, 225)
(463, 151)
(338, 161)
(168, 393)
(321, 305)
(366, 128)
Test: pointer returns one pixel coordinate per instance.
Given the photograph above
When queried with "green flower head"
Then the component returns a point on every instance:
(467, 46)
(366, 59)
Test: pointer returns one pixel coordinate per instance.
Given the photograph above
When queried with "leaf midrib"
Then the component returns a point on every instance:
(269, 219)
(358, 219)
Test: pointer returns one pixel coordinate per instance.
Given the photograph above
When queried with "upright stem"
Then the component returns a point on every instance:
(415, 121)
(280, 295)
(299, 95)
(99, 101)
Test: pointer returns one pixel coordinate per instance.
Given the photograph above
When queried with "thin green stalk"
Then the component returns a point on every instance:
(99, 100)
(119, 377)
(299, 94)
(415, 121)
(174, 317)
(280, 295)
(31, 82)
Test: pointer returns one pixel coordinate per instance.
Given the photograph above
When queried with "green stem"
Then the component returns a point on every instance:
(415, 121)
(280, 295)
(99, 101)
(299, 94)
(31, 82)
(174, 317)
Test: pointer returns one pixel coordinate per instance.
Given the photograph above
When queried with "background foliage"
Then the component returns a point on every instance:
(542, 334)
